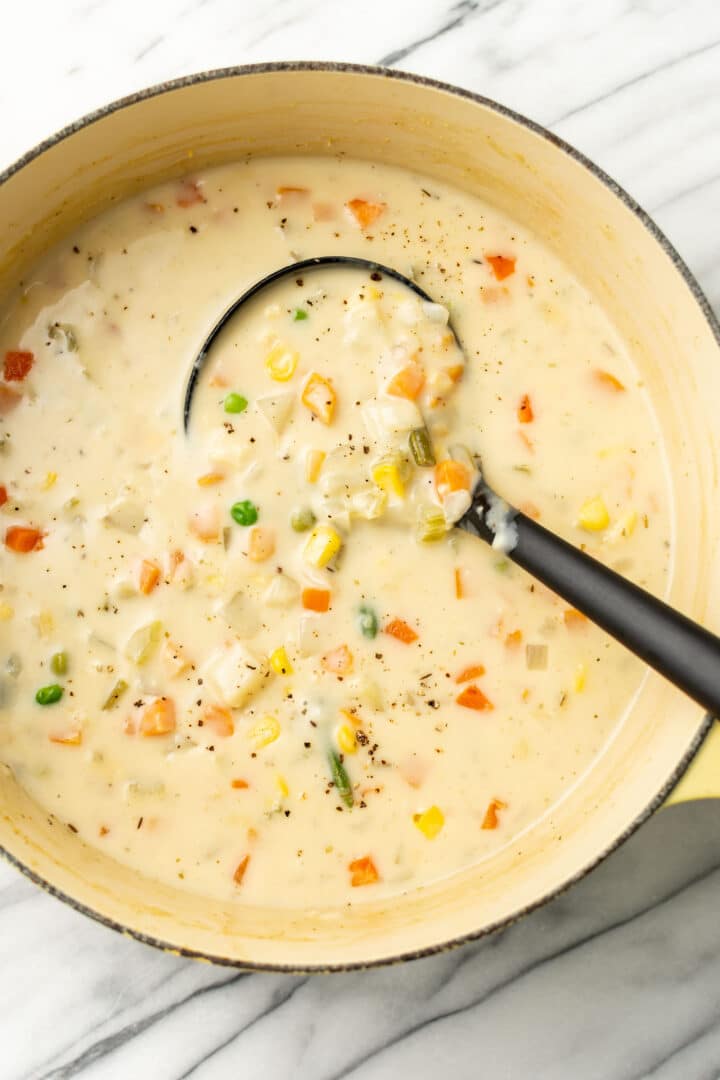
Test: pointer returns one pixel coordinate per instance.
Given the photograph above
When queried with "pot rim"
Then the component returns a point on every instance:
(664, 243)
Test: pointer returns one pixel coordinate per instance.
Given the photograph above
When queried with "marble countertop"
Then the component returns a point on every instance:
(620, 977)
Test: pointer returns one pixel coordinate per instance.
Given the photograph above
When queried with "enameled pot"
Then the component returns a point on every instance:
(656, 304)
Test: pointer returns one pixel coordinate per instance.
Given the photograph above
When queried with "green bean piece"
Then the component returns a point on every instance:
(244, 512)
(367, 621)
(49, 695)
(303, 519)
(115, 694)
(235, 403)
(299, 314)
(421, 447)
(341, 780)
(59, 663)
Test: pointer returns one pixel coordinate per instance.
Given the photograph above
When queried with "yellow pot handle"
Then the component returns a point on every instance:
(702, 780)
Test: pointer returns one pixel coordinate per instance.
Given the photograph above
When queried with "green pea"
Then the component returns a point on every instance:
(299, 314)
(48, 695)
(235, 403)
(59, 663)
(303, 519)
(244, 512)
(367, 621)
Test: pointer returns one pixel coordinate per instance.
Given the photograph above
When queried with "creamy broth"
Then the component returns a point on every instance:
(279, 674)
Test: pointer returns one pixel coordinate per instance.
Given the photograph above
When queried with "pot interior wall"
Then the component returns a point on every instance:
(480, 149)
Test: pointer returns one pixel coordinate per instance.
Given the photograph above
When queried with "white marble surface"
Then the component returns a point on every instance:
(618, 979)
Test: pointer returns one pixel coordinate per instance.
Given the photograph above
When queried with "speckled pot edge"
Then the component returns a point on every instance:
(701, 300)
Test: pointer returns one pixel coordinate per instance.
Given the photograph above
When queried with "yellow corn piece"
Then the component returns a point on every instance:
(594, 515)
(281, 784)
(313, 465)
(580, 678)
(265, 731)
(49, 481)
(347, 743)
(374, 293)
(388, 475)
(320, 398)
(281, 363)
(6, 611)
(322, 545)
(430, 822)
(210, 478)
(44, 624)
(280, 663)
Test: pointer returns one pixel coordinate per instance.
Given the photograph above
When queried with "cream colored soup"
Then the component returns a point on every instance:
(254, 660)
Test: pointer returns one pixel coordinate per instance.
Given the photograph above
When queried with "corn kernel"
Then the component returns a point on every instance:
(280, 663)
(430, 822)
(593, 515)
(388, 475)
(580, 678)
(374, 293)
(281, 784)
(49, 481)
(347, 743)
(281, 363)
(265, 731)
(44, 623)
(323, 545)
(313, 465)
(6, 611)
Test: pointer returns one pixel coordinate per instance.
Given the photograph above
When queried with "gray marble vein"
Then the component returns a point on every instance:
(619, 979)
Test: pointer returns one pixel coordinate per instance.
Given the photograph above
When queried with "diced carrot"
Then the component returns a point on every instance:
(364, 212)
(490, 821)
(574, 620)
(502, 265)
(103, 830)
(209, 478)
(529, 509)
(451, 476)
(23, 539)
(472, 697)
(514, 639)
(190, 194)
(158, 718)
(400, 630)
(149, 576)
(316, 599)
(455, 372)
(459, 593)
(219, 720)
(3, 495)
(240, 870)
(493, 294)
(8, 400)
(261, 543)
(288, 189)
(174, 559)
(363, 871)
(239, 784)
(338, 661)
(323, 211)
(608, 380)
(18, 363)
(474, 671)
(155, 207)
(205, 524)
(352, 717)
(526, 441)
(71, 737)
(525, 410)
(320, 398)
(408, 382)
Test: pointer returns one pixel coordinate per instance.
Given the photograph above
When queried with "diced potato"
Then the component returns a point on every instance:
(227, 449)
(368, 504)
(593, 515)
(623, 527)
(237, 673)
(283, 591)
(143, 643)
(322, 545)
(126, 514)
(175, 660)
(242, 614)
(385, 419)
(275, 409)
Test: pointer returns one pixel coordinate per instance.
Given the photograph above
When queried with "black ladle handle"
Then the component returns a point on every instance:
(675, 646)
